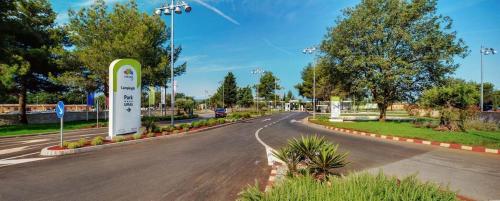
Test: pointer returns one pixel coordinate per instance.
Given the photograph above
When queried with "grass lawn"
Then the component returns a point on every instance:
(15, 130)
(489, 139)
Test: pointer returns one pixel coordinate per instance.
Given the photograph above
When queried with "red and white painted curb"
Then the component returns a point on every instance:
(417, 141)
(272, 176)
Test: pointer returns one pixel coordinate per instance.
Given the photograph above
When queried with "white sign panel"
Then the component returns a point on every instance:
(162, 89)
(125, 97)
(335, 109)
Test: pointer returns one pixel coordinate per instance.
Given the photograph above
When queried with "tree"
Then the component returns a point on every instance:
(245, 97)
(393, 48)
(230, 90)
(30, 43)
(306, 87)
(187, 105)
(451, 99)
(268, 84)
(101, 35)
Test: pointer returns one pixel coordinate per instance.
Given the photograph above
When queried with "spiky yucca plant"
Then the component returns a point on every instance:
(289, 156)
(327, 159)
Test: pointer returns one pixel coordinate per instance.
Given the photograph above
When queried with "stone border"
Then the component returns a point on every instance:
(46, 152)
(412, 140)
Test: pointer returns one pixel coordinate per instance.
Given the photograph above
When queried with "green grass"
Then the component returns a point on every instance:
(17, 130)
(490, 139)
(363, 186)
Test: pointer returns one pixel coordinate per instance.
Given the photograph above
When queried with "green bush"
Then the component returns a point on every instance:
(363, 186)
(186, 129)
(221, 121)
(118, 139)
(175, 131)
(151, 134)
(65, 144)
(97, 141)
(203, 123)
(83, 142)
(185, 125)
(195, 124)
(157, 130)
(211, 122)
(137, 136)
(73, 145)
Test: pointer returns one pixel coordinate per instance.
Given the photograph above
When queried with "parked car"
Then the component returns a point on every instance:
(220, 112)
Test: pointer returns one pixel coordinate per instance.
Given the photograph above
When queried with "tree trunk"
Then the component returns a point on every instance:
(23, 118)
(383, 109)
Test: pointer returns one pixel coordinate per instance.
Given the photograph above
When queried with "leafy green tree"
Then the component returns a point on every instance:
(230, 90)
(488, 94)
(187, 105)
(455, 97)
(306, 87)
(393, 48)
(101, 35)
(30, 43)
(245, 97)
(268, 84)
(289, 96)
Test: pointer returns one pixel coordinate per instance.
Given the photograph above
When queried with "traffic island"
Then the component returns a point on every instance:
(89, 145)
(450, 145)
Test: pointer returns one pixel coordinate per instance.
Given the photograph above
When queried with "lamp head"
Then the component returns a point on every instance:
(157, 12)
(178, 10)
(187, 8)
(167, 12)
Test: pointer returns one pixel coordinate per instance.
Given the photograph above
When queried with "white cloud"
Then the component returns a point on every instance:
(217, 11)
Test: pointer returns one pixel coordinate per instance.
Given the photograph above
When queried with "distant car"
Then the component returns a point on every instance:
(220, 112)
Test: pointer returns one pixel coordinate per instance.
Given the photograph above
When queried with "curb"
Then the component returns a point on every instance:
(272, 176)
(46, 152)
(412, 140)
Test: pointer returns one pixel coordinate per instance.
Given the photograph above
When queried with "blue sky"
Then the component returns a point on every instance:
(240, 35)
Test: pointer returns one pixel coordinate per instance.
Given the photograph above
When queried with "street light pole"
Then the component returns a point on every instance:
(311, 50)
(167, 10)
(257, 71)
(484, 51)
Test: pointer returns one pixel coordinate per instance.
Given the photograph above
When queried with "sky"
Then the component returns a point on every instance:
(219, 36)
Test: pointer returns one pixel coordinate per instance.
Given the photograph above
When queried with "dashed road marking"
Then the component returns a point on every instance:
(13, 150)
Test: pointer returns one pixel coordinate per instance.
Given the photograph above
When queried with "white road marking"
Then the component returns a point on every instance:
(13, 157)
(12, 150)
(293, 121)
(34, 141)
(269, 150)
(19, 161)
(268, 119)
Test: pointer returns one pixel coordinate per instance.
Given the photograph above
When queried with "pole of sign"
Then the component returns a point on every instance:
(97, 112)
(62, 131)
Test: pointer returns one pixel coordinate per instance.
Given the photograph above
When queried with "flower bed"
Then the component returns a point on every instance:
(151, 131)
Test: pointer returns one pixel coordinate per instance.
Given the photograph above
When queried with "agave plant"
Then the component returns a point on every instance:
(308, 146)
(326, 159)
(289, 156)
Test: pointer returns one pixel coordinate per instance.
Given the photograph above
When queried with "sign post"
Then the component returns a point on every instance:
(124, 97)
(60, 115)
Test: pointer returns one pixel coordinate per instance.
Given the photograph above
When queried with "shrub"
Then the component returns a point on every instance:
(118, 139)
(137, 136)
(211, 122)
(203, 123)
(221, 121)
(195, 124)
(157, 130)
(73, 145)
(362, 186)
(186, 129)
(83, 142)
(151, 134)
(97, 141)
(149, 123)
(66, 143)
(175, 131)
(186, 125)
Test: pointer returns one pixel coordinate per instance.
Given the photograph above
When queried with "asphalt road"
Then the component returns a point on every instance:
(15, 150)
(217, 164)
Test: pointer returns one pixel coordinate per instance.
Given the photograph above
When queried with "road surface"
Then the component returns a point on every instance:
(217, 164)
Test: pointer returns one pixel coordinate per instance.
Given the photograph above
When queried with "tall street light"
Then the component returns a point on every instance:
(311, 50)
(258, 72)
(484, 51)
(223, 83)
(175, 6)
